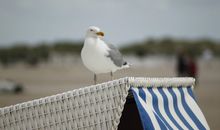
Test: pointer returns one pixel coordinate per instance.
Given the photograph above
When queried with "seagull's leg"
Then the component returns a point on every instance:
(111, 75)
(95, 79)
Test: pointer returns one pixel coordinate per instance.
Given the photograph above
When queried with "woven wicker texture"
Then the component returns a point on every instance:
(97, 107)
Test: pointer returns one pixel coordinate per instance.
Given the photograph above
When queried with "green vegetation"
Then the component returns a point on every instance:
(32, 55)
(168, 46)
(67, 47)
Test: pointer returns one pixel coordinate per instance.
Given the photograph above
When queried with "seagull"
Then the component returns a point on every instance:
(99, 56)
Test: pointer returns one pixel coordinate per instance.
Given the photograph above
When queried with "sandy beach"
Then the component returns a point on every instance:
(60, 76)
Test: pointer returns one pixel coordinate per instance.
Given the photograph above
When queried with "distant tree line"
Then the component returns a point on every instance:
(32, 55)
(168, 46)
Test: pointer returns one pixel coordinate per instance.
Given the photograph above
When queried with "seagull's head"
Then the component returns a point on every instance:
(94, 32)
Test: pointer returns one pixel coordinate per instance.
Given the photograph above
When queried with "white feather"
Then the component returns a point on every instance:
(95, 53)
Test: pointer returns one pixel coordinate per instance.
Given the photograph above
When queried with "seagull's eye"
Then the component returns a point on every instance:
(91, 30)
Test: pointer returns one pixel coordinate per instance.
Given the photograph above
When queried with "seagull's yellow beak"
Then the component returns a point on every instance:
(100, 34)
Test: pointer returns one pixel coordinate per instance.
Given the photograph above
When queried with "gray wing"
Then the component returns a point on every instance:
(115, 55)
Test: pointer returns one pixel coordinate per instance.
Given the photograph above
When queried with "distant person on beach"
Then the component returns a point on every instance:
(207, 57)
(192, 67)
(186, 65)
(181, 64)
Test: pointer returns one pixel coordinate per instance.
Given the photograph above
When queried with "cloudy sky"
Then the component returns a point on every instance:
(122, 20)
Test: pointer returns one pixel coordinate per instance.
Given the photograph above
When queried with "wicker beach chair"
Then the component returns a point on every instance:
(127, 103)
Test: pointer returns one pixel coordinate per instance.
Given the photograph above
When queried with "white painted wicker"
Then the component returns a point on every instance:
(97, 107)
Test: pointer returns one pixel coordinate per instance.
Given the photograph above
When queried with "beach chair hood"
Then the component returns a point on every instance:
(162, 103)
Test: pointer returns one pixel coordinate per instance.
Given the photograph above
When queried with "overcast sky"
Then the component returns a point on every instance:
(122, 20)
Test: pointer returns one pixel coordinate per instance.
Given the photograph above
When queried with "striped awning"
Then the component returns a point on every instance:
(168, 108)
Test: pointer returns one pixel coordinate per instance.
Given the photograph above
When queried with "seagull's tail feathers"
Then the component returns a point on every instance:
(126, 65)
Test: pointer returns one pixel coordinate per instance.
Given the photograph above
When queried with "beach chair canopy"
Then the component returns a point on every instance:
(161, 103)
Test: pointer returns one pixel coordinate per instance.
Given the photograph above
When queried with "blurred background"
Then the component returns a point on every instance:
(40, 44)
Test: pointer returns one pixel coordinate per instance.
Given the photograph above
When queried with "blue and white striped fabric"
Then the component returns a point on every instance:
(169, 108)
